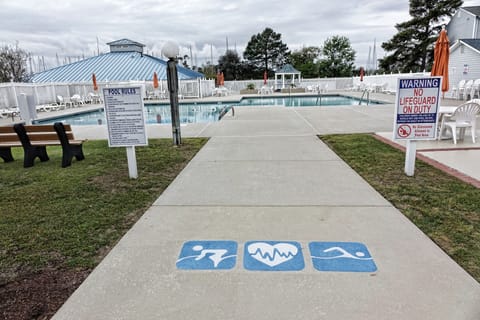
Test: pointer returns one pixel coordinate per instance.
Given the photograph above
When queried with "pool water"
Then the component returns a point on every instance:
(303, 101)
(209, 112)
(189, 113)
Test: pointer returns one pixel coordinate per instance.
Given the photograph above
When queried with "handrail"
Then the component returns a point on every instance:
(319, 98)
(363, 94)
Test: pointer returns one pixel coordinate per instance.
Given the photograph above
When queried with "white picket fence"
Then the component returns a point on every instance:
(46, 93)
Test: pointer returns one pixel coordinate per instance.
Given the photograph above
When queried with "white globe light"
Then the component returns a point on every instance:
(170, 49)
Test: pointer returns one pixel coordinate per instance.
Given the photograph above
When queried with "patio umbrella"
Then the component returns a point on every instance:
(155, 80)
(265, 77)
(220, 79)
(362, 73)
(441, 55)
(94, 80)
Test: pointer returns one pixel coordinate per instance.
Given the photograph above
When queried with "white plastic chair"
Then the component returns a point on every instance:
(465, 116)
(475, 92)
(460, 89)
(468, 89)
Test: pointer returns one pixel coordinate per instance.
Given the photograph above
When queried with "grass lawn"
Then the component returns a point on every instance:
(69, 218)
(443, 207)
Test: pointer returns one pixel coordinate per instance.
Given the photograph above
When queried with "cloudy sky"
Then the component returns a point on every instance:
(69, 29)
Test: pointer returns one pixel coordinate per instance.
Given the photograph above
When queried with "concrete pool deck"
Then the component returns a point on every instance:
(265, 177)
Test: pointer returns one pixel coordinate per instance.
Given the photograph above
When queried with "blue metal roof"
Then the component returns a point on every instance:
(113, 66)
(288, 68)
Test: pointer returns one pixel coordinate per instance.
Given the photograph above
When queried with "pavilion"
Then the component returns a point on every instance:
(287, 76)
(125, 62)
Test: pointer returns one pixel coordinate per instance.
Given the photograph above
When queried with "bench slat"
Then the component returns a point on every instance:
(43, 128)
(9, 137)
(7, 129)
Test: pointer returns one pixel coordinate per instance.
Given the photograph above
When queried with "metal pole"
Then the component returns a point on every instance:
(172, 79)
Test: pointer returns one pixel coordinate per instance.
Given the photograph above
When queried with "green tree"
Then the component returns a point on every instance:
(13, 64)
(184, 61)
(208, 70)
(305, 61)
(412, 47)
(266, 50)
(230, 65)
(338, 58)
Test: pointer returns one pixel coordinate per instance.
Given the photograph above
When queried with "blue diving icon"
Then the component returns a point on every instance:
(207, 255)
(341, 257)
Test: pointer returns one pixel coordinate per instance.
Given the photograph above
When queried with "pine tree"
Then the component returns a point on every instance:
(266, 50)
(412, 46)
(230, 65)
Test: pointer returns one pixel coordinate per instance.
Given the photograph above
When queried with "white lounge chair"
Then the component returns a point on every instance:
(465, 116)
(77, 100)
(62, 103)
(94, 98)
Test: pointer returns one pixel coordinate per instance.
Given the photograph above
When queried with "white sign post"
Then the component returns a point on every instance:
(126, 122)
(416, 114)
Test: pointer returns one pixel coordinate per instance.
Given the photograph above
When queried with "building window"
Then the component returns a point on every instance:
(462, 49)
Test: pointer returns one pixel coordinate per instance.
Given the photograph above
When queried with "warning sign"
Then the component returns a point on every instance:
(416, 108)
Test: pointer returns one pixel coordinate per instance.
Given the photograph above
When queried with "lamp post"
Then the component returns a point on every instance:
(171, 50)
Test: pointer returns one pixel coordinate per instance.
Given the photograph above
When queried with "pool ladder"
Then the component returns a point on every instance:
(367, 92)
(319, 98)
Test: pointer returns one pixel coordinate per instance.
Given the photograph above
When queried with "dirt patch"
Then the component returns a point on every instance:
(38, 295)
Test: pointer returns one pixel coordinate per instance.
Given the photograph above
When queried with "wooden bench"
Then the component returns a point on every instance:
(35, 138)
(8, 139)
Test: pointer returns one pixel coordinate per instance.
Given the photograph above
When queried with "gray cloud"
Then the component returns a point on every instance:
(71, 28)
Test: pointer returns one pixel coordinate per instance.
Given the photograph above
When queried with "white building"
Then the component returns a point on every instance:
(464, 35)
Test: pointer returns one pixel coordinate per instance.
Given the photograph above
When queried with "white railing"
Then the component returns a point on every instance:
(46, 93)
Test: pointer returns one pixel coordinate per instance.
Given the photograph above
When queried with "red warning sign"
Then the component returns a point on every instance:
(404, 131)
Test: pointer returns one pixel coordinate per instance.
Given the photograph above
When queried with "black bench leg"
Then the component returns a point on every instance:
(6, 154)
(32, 153)
(70, 152)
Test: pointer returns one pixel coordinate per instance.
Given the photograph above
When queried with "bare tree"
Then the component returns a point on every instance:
(13, 64)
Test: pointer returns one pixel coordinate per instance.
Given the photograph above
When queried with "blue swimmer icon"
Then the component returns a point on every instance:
(341, 256)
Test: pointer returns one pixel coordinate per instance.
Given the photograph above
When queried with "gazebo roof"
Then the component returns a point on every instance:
(288, 69)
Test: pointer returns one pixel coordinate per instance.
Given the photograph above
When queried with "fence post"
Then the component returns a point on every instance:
(14, 92)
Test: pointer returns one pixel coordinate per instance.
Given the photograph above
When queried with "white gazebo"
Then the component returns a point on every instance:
(288, 75)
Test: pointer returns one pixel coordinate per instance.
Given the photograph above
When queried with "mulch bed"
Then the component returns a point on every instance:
(38, 295)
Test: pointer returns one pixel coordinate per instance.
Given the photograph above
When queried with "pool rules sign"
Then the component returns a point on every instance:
(416, 113)
(126, 121)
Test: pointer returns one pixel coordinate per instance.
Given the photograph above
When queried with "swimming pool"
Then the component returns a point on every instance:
(209, 112)
(304, 101)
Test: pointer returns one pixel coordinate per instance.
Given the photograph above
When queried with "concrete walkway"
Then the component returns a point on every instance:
(265, 176)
